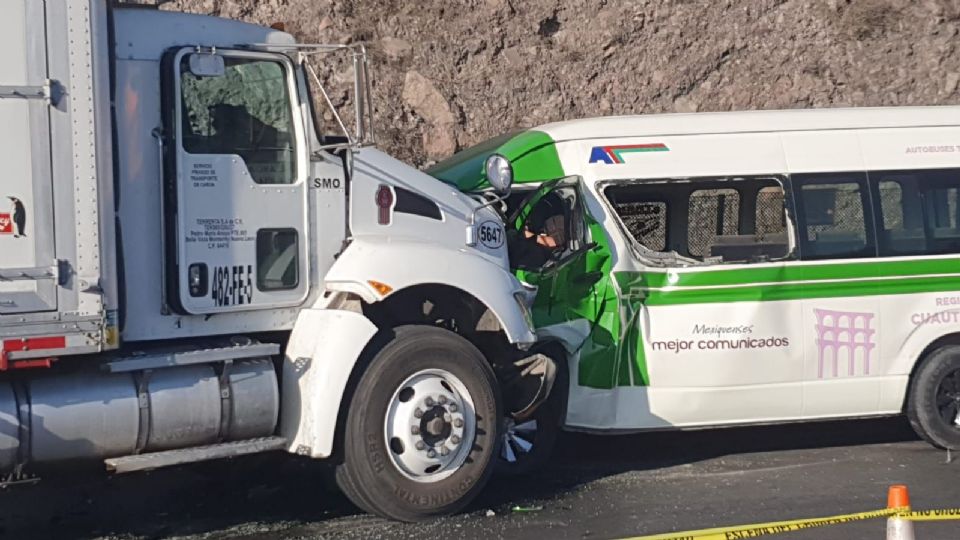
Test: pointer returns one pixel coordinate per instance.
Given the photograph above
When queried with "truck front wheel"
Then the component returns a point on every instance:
(421, 430)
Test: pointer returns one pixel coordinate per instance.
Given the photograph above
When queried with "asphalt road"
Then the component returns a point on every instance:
(597, 487)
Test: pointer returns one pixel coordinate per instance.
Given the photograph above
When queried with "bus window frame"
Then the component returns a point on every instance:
(870, 248)
(927, 179)
(674, 258)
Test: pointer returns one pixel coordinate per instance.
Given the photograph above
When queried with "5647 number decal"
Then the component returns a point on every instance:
(491, 234)
(232, 285)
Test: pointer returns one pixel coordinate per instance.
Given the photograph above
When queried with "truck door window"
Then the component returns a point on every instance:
(277, 262)
(246, 112)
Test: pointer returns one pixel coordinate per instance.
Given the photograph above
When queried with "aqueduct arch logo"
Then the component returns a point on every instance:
(848, 334)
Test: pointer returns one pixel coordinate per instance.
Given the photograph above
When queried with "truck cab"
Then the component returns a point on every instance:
(194, 267)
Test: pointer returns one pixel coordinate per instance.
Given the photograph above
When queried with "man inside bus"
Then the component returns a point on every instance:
(543, 235)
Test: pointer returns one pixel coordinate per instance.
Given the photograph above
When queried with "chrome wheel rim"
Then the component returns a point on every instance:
(518, 440)
(430, 425)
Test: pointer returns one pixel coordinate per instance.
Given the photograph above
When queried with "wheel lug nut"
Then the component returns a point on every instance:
(443, 400)
(444, 450)
(458, 423)
(453, 407)
(446, 417)
(418, 413)
(429, 402)
(431, 454)
(421, 445)
(415, 430)
(455, 439)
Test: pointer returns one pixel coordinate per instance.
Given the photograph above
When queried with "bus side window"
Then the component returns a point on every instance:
(941, 210)
(647, 222)
(900, 224)
(707, 221)
(834, 214)
(919, 211)
(712, 214)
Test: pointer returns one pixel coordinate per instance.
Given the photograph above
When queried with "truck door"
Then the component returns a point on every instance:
(28, 270)
(236, 182)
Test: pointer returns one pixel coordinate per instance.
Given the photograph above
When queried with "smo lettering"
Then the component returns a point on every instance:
(327, 183)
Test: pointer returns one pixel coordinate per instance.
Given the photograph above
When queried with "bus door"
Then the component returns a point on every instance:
(843, 359)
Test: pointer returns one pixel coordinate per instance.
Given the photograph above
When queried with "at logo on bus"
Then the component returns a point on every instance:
(614, 154)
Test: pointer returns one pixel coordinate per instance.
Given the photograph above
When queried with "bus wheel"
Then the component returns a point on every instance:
(421, 431)
(934, 403)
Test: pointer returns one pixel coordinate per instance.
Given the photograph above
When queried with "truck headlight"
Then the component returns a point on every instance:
(499, 173)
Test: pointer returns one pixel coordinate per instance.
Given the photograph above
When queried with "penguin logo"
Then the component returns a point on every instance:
(19, 217)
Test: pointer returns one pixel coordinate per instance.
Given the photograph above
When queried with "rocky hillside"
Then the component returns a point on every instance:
(450, 73)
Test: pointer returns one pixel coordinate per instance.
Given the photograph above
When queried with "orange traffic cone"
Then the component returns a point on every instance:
(898, 498)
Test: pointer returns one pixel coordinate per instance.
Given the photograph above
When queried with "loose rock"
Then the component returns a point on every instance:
(395, 48)
(424, 98)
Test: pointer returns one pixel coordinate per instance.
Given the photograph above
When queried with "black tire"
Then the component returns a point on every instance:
(934, 398)
(368, 475)
(549, 418)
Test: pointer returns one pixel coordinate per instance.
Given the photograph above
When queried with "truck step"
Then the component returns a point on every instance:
(167, 458)
(198, 356)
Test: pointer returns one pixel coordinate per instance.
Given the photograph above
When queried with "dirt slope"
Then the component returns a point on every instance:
(450, 73)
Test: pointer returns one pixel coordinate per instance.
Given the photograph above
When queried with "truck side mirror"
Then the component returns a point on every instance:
(207, 65)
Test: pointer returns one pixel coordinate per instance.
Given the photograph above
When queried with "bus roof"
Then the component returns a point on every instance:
(533, 152)
(645, 125)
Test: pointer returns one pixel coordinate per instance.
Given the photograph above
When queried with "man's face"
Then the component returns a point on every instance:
(554, 230)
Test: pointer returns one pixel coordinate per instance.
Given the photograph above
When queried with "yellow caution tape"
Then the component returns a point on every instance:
(777, 527)
(931, 515)
(763, 529)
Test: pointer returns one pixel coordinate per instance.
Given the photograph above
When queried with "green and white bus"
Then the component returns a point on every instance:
(740, 268)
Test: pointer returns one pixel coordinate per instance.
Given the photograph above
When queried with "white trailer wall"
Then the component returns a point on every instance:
(56, 275)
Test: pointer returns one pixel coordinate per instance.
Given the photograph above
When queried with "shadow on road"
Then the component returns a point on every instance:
(246, 494)
(581, 458)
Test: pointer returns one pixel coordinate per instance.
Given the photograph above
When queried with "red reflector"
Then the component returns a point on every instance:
(29, 344)
(24, 364)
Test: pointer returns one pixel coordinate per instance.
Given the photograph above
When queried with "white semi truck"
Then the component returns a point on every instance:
(190, 268)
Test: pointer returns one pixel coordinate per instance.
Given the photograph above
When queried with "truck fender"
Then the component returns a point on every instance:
(400, 265)
(323, 349)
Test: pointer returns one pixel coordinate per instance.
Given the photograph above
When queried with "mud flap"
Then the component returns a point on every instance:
(322, 351)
